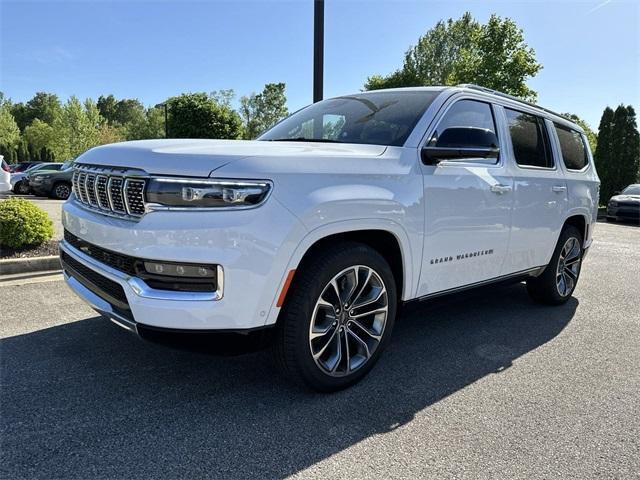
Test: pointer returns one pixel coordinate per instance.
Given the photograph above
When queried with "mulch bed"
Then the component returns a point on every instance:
(44, 250)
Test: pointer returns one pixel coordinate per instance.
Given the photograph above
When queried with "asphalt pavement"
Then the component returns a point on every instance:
(484, 384)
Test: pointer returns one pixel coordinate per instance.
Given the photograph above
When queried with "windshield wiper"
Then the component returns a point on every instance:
(302, 139)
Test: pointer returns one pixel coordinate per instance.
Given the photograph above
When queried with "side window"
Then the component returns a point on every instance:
(529, 139)
(468, 123)
(574, 152)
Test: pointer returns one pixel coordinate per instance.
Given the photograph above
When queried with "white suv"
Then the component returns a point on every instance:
(331, 219)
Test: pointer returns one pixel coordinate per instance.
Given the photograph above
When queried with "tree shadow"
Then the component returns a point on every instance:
(88, 400)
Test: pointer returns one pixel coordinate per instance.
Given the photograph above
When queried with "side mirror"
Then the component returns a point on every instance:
(461, 144)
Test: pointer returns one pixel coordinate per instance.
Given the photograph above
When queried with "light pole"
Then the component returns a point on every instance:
(318, 49)
(166, 124)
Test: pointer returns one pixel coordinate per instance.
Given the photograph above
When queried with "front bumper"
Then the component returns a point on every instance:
(251, 247)
(628, 213)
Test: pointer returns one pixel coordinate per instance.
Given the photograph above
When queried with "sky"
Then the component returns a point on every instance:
(152, 49)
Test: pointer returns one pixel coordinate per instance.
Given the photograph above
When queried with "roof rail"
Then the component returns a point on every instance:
(480, 88)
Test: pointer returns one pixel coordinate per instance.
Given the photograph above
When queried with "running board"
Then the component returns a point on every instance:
(512, 277)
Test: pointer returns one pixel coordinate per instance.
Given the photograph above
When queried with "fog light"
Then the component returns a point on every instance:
(178, 270)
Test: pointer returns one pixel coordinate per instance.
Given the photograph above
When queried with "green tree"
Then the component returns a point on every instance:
(78, 128)
(151, 125)
(43, 106)
(618, 153)
(9, 131)
(120, 112)
(493, 55)
(198, 115)
(591, 135)
(263, 110)
(40, 135)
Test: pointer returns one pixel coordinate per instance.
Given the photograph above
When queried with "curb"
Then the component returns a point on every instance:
(12, 266)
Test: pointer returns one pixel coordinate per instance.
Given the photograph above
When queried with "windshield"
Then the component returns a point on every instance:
(631, 190)
(379, 118)
(67, 164)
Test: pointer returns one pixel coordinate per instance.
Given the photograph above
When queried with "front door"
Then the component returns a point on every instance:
(468, 206)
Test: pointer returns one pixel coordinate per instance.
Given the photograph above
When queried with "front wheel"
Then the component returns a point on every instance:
(61, 191)
(338, 317)
(558, 281)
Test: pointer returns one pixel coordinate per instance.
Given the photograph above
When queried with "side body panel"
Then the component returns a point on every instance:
(467, 221)
(540, 206)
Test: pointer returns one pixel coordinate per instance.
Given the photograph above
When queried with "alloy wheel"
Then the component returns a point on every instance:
(62, 191)
(568, 266)
(348, 321)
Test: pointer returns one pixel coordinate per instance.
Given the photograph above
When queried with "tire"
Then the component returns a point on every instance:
(312, 308)
(558, 281)
(61, 190)
(20, 188)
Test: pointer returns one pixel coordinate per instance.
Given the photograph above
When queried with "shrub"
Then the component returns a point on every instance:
(22, 224)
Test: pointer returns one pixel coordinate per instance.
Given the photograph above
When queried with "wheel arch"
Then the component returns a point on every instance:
(388, 238)
(383, 241)
(581, 223)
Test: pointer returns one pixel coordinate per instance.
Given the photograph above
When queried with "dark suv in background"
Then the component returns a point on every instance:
(625, 205)
(51, 183)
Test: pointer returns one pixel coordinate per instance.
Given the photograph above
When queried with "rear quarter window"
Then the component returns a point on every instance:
(572, 147)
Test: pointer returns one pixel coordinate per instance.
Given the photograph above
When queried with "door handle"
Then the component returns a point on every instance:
(500, 189)
(559, 188)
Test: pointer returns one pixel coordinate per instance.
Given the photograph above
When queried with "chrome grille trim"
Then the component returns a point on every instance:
(101, 192)
(112, 191)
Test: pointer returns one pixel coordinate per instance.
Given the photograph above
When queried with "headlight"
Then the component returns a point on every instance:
(613, 203)
(38, 177)
(186, 194)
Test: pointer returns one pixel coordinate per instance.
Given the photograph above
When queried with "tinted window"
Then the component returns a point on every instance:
(380, 118)
(474, 117)
(529, 139)
(574, 152)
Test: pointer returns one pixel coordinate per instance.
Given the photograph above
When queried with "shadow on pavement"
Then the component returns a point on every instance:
(88, 400)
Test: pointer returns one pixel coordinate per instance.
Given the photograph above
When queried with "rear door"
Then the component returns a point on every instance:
(467, 206)
(540, 190)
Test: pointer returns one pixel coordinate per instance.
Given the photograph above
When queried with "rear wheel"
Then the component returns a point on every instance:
(558, 281)
(61, 191)
(338, 317)
(20, 188)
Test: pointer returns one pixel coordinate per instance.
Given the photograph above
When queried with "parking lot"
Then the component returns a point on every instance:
(484, 384)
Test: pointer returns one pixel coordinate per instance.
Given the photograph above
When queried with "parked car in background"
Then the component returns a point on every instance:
(322, 227)
(22, 166)
(50, 183)
(5, 176)
(20, 187)
(625, 206)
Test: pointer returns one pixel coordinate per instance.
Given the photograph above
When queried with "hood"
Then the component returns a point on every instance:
(625, 198)
(199, 158)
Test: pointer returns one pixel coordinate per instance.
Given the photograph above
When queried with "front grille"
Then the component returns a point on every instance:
(105, 288)
(112, 191)
(121, 262)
